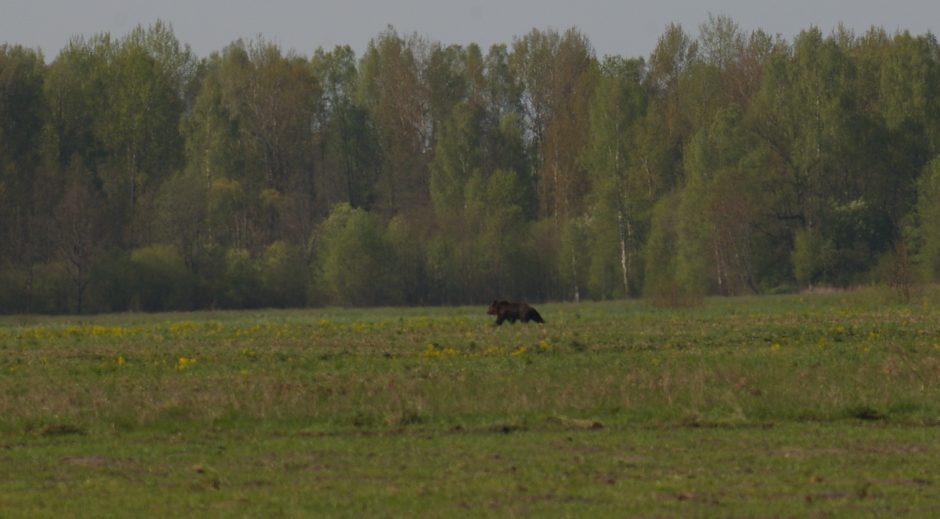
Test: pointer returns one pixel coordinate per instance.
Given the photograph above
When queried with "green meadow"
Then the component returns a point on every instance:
(801, 405)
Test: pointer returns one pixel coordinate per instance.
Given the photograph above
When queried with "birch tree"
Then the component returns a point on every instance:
(615, 207)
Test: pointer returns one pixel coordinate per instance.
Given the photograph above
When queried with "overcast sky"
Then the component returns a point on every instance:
(627, 28)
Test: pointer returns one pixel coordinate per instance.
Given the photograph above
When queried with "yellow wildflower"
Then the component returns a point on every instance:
(432, 352)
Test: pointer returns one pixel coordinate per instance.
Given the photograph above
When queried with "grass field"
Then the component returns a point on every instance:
(821, 405)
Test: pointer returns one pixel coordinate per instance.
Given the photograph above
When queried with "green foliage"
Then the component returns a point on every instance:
(21, 108)
(49, 289)
(660, 253)
(241, 283)
(456, 158)
(813, 257)
(509, 153)
(227, 211)
(722, 205)
(928, 220)
(607, 276)
(345, 132)
(389, 86)
(354, 263)
(117, 282)
(162, 280)
(696, 247)
(573, 261)
(615, 203)
(407, 254)
(25, 200)
(12, 289)
(181, 210)
(501, 245)
(726, 162)
(283, 276)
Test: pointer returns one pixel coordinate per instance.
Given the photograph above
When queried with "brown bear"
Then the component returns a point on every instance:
(511, 311)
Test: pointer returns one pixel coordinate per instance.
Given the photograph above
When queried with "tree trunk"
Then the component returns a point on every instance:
(574, 273)
(624, 262)
(719, 272)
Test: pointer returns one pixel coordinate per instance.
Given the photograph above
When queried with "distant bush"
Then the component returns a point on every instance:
(283, 276)
(355, 262)
(13, 294)
(52, 289)
(240, 285)
(162, 281)
(113, 286)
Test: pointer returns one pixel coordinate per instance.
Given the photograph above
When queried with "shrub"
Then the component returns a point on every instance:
(162, 280)
(282, 273)
(240, 286)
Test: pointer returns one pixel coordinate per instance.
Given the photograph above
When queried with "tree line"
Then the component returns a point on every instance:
(137, 176)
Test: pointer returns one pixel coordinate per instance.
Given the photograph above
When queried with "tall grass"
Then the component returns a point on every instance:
(783, 406)
(741, 361)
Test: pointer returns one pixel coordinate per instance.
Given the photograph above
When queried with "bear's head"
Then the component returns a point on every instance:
(494, 308)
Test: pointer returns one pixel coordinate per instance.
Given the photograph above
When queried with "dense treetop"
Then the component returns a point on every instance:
(135, 175)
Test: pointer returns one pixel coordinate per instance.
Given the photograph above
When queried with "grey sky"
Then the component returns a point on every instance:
(614, 27)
